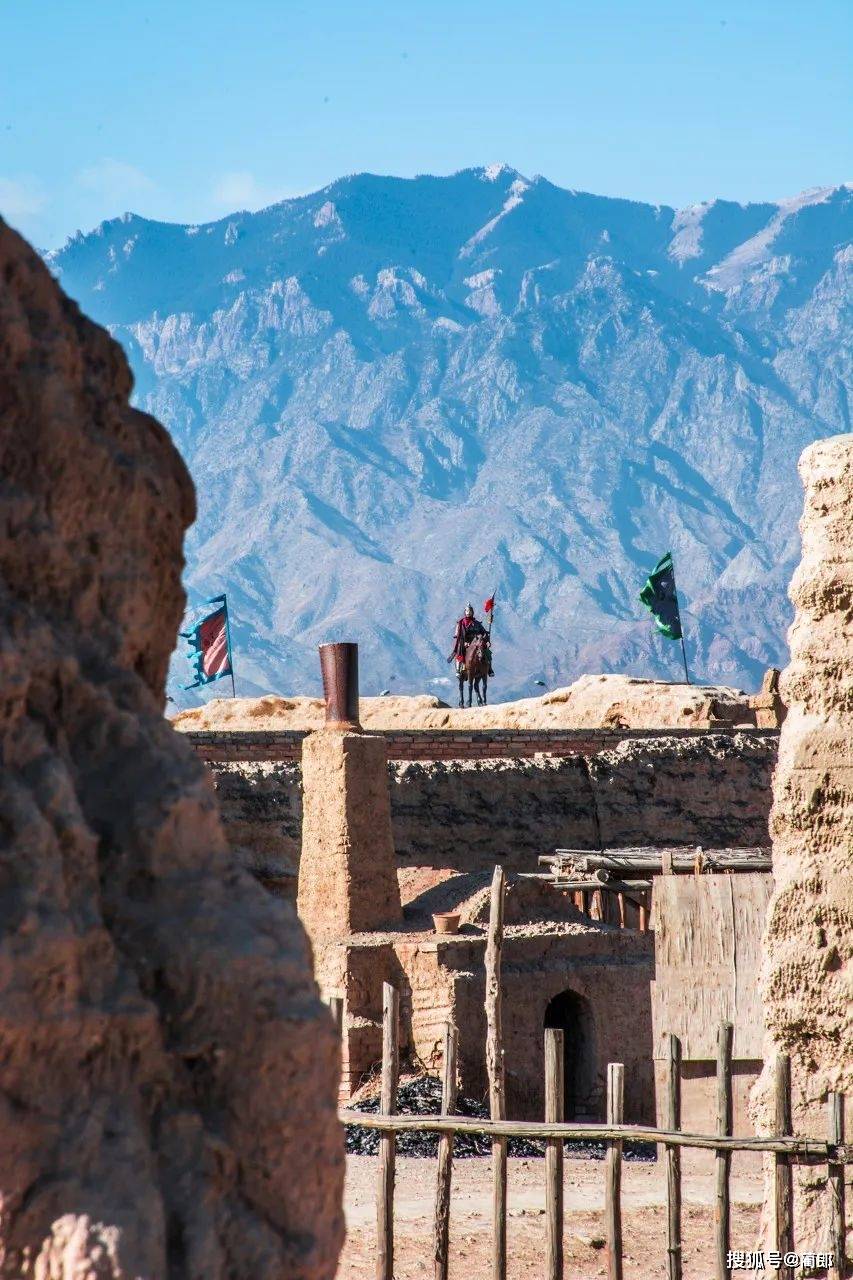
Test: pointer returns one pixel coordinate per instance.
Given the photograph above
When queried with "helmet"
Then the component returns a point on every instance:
(469, 610)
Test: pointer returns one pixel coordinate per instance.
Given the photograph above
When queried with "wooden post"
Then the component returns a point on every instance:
(387, 1148)
(554, 1114)
(613, 1172)
(644, 912)
(336, 1005)
(621, 900)
(784, 1173)
(672, 1122)
(835, 1184)
(495, 1068)
(722, 1212)
(441, 1234)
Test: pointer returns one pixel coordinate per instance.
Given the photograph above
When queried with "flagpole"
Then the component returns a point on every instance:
(680, 626)
(231, 650)
(684, 656)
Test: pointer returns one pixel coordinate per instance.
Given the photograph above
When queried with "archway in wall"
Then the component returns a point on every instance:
(572, 1014)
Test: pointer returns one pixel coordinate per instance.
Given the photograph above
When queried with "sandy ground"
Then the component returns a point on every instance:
(643, 1218)
(591, 702)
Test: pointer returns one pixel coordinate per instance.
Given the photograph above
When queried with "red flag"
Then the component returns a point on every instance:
(489, 605)
(213, 641)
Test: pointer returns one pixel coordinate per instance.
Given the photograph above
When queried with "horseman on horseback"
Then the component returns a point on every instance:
(472, 654)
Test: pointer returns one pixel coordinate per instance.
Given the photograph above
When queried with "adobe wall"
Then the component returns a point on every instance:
(809, 937)
(221, 746)
(441, 979)
(690, 788)
(167, 1070)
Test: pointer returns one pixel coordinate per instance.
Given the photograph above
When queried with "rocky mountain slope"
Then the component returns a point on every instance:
(398, 394)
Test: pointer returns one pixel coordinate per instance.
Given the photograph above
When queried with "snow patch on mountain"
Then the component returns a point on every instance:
(687, 225)
(513, 200)
(756, 252)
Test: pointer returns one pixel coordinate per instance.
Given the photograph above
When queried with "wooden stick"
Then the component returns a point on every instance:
(495, 1068)
(644, 913)
(387, 1141)
(613, 1172)
(672, 1120)
(441, 1234)
(722, 1211)
(835, 1183)
(803, 1150)
(784, 1174)
(336, 1005)
(554, 1104)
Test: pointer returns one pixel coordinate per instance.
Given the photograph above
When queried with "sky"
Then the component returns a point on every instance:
(185, 110)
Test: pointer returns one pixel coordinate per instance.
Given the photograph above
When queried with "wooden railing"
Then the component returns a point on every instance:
(787, 1148)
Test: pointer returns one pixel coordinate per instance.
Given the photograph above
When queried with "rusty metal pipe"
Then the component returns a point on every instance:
(339, 667)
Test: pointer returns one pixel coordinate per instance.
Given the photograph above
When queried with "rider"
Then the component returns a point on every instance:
(466, 629)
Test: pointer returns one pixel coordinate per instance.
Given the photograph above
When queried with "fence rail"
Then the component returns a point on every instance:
(799, 1150)
(787, 1148)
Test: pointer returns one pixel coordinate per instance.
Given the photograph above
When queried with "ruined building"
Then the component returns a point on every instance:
(808, 973)
(168, 1075)
(383, 830)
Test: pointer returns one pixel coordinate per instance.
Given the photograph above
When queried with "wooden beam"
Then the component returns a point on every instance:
(495, 1069)
(336, 1005)
(441, 1233)
(554, 1104)
(835, 1183)
(783, 1173)
(387, 1149)
(803, 1150)
(722, 1163)
(672, 1120)
(613, 1172)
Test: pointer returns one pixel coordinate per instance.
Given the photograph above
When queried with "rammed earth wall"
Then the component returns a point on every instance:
(637, 788)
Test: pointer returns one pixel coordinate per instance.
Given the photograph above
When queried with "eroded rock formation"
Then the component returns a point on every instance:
(808, 973)
(167, 1074)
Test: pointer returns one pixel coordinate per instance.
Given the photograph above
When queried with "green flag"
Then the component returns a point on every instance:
(659, 597)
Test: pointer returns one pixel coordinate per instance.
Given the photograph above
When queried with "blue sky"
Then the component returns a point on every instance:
(188, 110)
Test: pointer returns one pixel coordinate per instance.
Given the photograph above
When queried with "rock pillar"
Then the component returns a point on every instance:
(167, 1071)
(808, 970)
(347, 871)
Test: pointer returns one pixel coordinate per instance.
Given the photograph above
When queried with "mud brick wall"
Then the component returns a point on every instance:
(220, 747)
(610, 970)
(706, 788)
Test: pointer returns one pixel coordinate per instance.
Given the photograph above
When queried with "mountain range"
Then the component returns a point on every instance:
(396, 395)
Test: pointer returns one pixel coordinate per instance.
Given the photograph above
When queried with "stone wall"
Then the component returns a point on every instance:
(711, 789)
(167, 1072)
(809, 938)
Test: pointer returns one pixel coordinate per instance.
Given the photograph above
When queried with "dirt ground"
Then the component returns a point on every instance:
(643, 1218)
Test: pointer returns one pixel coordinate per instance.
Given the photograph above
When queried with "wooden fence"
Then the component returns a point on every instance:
(786, 1148)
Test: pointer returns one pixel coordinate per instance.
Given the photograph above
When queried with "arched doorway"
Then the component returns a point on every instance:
(573, 1015)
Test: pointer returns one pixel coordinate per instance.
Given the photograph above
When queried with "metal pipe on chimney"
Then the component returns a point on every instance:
(339, 667)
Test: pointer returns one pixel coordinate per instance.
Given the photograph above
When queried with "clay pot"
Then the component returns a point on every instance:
(446, 922)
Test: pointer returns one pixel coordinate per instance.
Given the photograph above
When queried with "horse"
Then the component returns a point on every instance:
(475, 670)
